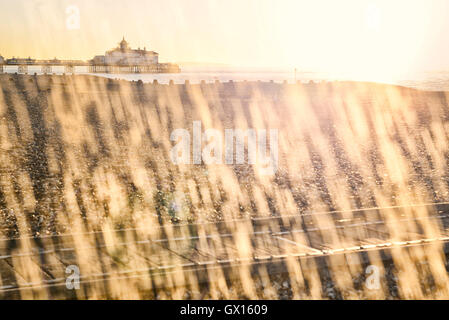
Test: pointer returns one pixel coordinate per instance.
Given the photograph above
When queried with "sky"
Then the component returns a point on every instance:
(366, 36)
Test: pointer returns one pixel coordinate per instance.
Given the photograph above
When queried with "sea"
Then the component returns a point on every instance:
(425, 80)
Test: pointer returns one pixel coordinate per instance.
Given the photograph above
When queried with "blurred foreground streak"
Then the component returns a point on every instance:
(86, 180)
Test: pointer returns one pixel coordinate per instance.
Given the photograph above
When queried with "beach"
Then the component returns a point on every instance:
(86, 165)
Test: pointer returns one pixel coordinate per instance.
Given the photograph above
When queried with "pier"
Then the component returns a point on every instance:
(45, 65)
(156, 68)
(122, 59)
(70, 66)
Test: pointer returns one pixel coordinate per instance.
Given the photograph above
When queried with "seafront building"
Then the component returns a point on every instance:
(124, 55)
(125, 59)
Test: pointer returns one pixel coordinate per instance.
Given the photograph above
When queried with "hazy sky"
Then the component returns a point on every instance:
(356, 35)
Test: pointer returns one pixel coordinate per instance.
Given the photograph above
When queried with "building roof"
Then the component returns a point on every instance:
(124, 47)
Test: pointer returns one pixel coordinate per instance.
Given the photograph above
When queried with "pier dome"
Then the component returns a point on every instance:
(124, 44)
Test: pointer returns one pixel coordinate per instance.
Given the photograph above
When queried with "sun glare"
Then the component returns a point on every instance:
(210, 149)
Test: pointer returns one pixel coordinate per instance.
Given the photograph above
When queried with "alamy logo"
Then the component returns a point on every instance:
(73, 280)
(212, 152)
(372, 282)
(73, 17)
